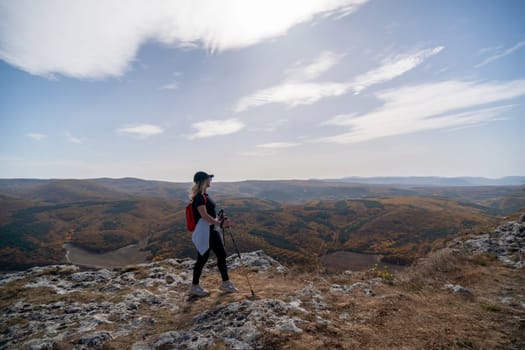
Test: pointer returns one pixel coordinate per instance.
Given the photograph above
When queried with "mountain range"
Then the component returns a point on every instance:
(437, 181)
(284, 191)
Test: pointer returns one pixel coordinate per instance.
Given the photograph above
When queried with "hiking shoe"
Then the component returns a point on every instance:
(197, 290)
(228, 287)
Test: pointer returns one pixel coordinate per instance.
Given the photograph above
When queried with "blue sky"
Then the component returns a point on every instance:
(261, 89)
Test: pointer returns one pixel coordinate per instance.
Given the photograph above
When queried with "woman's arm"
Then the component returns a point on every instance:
(206, 216)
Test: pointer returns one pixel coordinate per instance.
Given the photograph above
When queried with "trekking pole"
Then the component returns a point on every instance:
(221, 219)
(240, 260)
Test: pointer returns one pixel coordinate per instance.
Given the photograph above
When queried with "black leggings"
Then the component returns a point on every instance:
(218, 248)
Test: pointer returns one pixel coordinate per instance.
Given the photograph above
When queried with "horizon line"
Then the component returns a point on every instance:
(275, 179)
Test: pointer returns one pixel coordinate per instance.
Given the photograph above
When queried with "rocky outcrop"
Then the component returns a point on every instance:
(89, 308)
(507, 242)
(238, 324)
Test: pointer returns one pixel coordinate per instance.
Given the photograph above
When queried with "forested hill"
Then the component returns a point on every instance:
(37, 217)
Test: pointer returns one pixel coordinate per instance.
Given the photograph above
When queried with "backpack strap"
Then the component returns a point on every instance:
(205, 199)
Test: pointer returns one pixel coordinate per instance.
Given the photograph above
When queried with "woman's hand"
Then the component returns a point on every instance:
(226, 222)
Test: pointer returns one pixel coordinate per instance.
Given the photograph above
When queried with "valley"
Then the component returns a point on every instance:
(297, 222)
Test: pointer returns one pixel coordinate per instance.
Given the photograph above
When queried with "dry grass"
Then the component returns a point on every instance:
(432, 270)
(484, 259)
(416, 312)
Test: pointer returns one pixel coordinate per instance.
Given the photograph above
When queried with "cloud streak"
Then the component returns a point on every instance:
(277, 145)
(36, 136)
(293, 92)
(170, 86)
(426, 107)
(392, 68)
(74, 139)
(501, 55)
(323, 63)
(141, 130)
(209, 128)
(99, 39)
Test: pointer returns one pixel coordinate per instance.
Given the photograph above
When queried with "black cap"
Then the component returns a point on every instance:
(201, 176)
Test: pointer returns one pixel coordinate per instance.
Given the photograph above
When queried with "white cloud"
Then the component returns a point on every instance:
(208, 128)
(279, 145)
(170, 86)
(174, 84)
(426, 107)
(501, 55)
(291, 94)
(141, 130)
(294, 93)
(74, 139)
(97, 39)
(36, 136)
(486, 50)
(323, 63)
(392, 68)
(261, 152)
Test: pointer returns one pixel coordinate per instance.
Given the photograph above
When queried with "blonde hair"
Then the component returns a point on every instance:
(198, 188)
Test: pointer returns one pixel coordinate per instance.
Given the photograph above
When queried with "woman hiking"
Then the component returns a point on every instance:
(206, 235)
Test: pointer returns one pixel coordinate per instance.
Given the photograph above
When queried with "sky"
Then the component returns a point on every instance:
(261, 89)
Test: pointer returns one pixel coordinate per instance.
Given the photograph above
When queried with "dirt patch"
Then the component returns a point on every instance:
(117, 258)
(342, 260)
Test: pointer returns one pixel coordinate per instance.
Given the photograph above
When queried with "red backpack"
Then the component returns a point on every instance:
(190, 218)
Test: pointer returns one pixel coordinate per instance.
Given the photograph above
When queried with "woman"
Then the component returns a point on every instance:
(207, 235)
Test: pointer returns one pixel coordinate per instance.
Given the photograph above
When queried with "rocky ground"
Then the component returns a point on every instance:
(468, 295)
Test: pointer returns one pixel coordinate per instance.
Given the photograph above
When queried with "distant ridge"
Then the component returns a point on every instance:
(127, 183)
(434, 181)
(283, 191)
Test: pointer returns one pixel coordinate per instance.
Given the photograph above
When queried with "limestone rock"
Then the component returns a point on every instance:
(458, 289)
(507, 242)
(95, 340)
(317, 298)
(257, 260)
(364, 286)
(238, 324)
